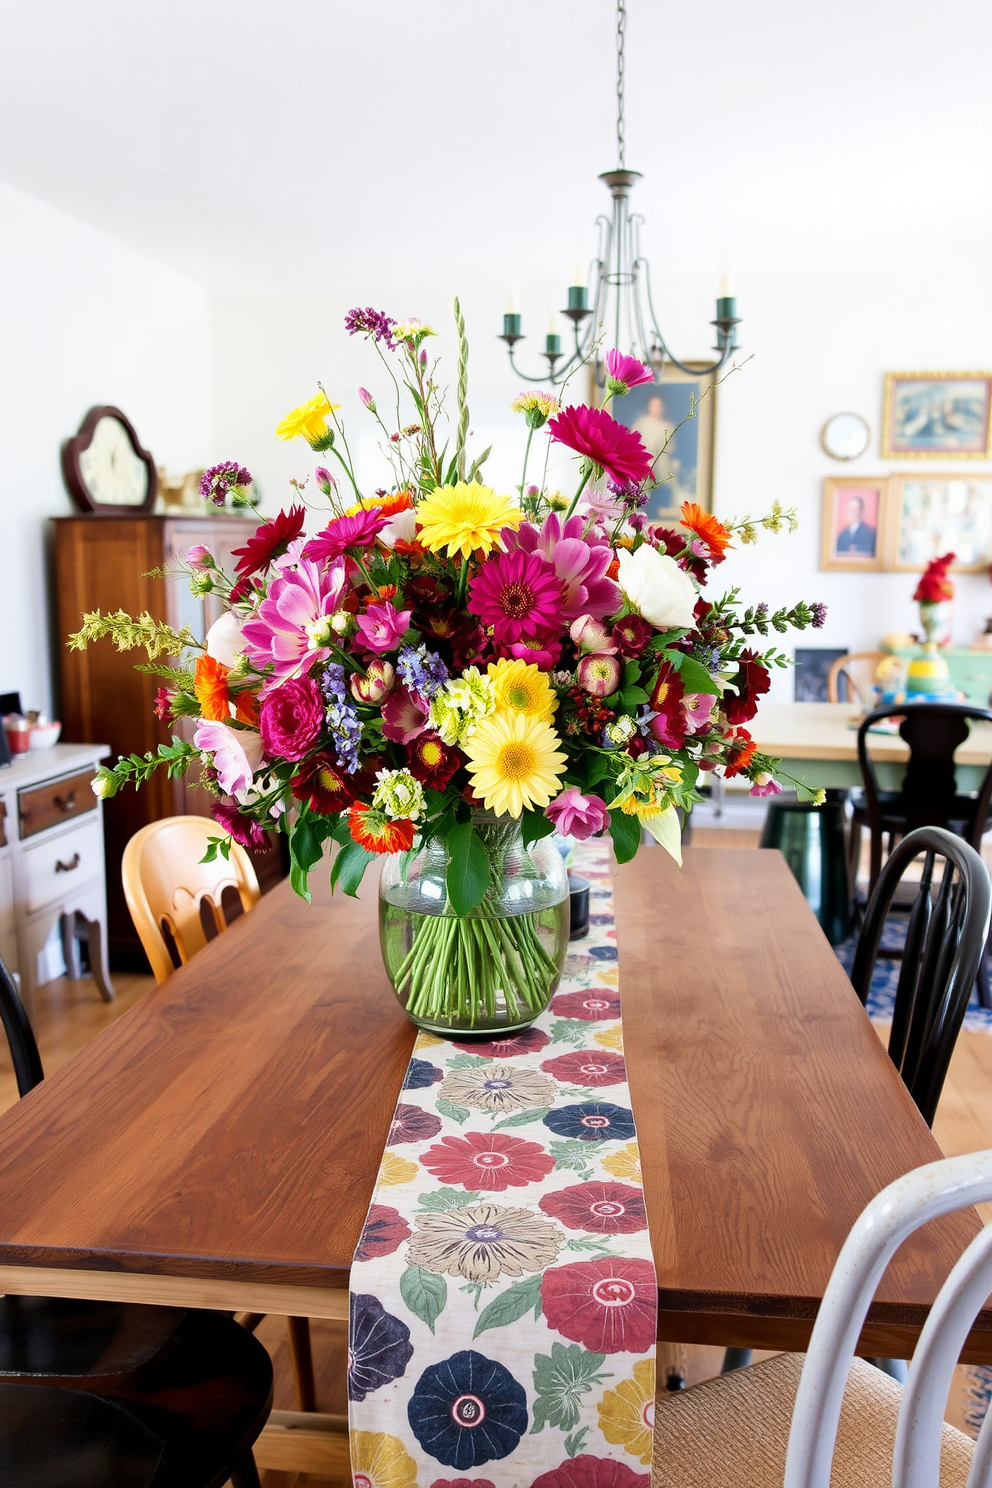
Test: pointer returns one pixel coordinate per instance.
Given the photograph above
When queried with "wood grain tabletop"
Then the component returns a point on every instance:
(228, 1128)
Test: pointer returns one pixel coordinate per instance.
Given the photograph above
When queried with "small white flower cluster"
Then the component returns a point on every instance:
(461, 704)
(398, 795)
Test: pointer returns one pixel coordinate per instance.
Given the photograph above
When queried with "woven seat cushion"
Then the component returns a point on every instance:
(732, 1432)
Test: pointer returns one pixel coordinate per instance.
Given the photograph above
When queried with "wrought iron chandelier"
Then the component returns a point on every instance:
(616, 301)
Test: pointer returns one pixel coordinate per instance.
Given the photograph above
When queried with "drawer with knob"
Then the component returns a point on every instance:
(62, 864)
(44, 806)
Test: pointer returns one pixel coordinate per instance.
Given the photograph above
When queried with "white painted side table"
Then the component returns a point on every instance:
(51, 861)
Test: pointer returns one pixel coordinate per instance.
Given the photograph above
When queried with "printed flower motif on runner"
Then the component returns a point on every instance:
(498, 1087)
(583, 1068)
(411, 1124)
(462, 1483)
(592, 1472)
(385, 1230)
(527, 1042)
(593, 1121)
(381, 1461)
(610, 1305)
(596, 1005)
(421, 1074)
(483, 1242)
(624, 1163)
(626, 1414)
(488, 1162)
(610, 1038)
(394, 1170)
(379, 1347)
(468, 1410)
(610, 1208)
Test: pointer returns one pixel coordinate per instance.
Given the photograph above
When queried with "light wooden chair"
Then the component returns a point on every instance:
(171, 893)
(173, 896)
(858, 669)
(826, 1419)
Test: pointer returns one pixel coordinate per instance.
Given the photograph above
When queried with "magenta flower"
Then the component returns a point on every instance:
(576, 815)
(625, 372)
(589, 635)
(325, 480)
(287, 630)
(697, 707)
(592, 432)
(357, 531)
(579, 561)
(599, 675)
(199, 558)
(375, 325)
(542, 650)
(382, 627)
(237, 754)
(246, 833)
(290, 719)
(404, 715)
(632, 633)
(366, 399)
(765, 785)
(517, 593)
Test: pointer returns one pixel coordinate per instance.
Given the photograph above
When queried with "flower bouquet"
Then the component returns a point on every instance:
(928, 676)
(447, 676)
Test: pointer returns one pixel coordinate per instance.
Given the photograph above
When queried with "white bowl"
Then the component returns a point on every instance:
(44, 735)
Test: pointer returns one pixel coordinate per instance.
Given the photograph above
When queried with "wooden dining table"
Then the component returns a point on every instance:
(219, 1144)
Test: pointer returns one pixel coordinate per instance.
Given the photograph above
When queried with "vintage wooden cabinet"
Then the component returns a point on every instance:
(105, 562)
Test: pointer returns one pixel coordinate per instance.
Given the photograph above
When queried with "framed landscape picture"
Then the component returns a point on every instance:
(936, 514)
(936, 415)
(855, 523)
(677, 425)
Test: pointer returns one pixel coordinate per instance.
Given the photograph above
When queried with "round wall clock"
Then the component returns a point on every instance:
(845, 436)
(105, 468)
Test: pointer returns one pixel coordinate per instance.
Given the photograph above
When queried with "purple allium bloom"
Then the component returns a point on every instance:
(819, 615)
(371, 323)
(421, 670)
(217, 483)
(761, 612)
(630, 494)
(343, 722)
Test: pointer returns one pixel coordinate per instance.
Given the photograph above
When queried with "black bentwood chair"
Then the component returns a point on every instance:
(945, 940)
(114, 1395)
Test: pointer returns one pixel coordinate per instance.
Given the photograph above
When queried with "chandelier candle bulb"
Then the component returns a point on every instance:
(512, 303)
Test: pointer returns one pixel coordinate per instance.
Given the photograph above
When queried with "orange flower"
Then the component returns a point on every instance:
(743, 748)
(713, 533)
(210, 686)
(246, 707)
(373, 831)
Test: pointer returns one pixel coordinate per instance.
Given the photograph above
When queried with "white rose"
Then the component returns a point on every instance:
(657, 588)
(224, 641)
(400, 528)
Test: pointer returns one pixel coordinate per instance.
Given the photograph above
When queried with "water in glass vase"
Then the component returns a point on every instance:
(478, 974)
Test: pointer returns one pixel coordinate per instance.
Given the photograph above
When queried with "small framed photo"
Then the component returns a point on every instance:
(677, 424)
(855, 523)
(937, 416)
(936, 514)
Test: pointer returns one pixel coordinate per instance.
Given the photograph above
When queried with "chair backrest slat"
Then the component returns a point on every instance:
(20, 1036)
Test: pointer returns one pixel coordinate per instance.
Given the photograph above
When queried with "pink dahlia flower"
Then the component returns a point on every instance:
(625, 372)
(518, 594)
(576, 815)
(357, 531)
(237, 754)
(291, 718)
(286, 629)
(382, 627)
(592, 432)
(579, 561)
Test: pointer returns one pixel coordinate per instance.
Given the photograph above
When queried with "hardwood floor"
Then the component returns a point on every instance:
(71, 1013)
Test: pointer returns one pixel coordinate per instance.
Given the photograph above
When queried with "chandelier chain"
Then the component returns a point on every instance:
(621, 36)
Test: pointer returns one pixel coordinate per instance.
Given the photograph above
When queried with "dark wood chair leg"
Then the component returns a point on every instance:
(249, 1320)
(735, 1358)
(299, 1347)
(245, 1475)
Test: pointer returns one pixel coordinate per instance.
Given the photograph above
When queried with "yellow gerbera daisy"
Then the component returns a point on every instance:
(466, 518)
(310, 419)
(626, 1414)
(395, 1169)
(625, 1162)
(381, 1461)
(521, 687)
(514, 762)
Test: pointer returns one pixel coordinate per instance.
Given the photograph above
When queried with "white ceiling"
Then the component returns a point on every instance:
(269, 144)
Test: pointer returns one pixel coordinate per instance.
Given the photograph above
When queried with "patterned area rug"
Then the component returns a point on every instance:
(882, 994)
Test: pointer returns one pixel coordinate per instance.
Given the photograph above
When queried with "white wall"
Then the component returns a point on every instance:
(818, 345)
(83, 320)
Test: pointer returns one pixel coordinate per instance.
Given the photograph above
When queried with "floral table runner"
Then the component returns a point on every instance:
(503, 1294)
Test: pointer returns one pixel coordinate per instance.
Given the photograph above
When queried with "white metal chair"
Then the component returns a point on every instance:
(735, 1430)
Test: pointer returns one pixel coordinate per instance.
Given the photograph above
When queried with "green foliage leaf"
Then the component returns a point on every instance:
(575, 1444)
(453, 1113)
(511, 1305)
(534, 825)
(466, 1061)
(523, 1118)
(561, 1378)
(424, 1293)
(569, 1030)
(571, 1153)
(478, 463)
(695, 677)
(626, 833)
(632, 698)
(467, 878)
(437, 1200)
(349, 867)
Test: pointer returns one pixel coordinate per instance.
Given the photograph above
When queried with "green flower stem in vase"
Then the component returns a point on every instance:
(494, 969)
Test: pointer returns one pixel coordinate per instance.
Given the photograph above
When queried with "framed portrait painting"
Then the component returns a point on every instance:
(937, 514)
(677, 424)
(937, 416)
(855, 523)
